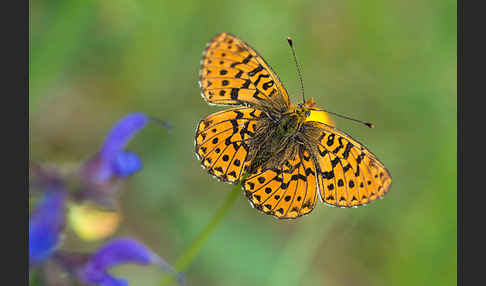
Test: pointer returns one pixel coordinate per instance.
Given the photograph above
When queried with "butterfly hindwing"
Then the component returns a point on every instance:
(221, 142)
(289, 192)
(232, 73)
(348, 173)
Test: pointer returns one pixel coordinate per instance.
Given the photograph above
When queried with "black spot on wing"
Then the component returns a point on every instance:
(256, 70)
(347, 150)
(330, 140)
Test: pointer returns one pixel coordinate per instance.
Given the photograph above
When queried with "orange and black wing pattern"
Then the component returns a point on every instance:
(232, 73)
(316, 160)
(285, 193)
(349, 175)
(222, 142)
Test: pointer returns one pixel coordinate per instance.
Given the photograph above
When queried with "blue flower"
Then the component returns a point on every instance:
(112, 161)
(116, 252)
(45, 226)
(95, 180)
(98, 179)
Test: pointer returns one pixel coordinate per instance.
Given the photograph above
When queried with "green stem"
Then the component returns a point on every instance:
(190, 253)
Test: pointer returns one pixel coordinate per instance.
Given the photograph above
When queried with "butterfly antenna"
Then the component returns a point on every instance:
(299, 72)
(370, 125)
(291, 44)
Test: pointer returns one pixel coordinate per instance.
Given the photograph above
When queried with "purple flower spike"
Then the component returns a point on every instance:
(116, 252)
(45, 226)
(112, 160)
(121, 133)
(109, 280)
(127, 163)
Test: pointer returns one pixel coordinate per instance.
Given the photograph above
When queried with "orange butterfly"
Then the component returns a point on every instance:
(284, 155)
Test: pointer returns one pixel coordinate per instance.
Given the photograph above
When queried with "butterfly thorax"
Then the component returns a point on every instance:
(275, 140)
(292, 120)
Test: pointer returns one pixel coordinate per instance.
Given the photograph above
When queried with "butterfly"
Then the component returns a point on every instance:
(285, 156)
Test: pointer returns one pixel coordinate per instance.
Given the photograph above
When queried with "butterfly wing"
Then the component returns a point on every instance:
(349, 175)
(285, 193)
(222, 142)
(232, 73)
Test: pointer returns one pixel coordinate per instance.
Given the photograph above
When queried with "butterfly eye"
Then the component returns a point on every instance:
(299, 105)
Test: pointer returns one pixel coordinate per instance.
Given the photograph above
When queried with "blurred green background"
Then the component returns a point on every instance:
(389, 62)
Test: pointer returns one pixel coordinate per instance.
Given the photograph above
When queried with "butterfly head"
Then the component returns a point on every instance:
(308, 112)
(307, 105)
(303, 110)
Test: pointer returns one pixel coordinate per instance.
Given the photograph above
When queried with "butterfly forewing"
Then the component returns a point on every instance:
(349, 174)
(232, 73)
(222, 141)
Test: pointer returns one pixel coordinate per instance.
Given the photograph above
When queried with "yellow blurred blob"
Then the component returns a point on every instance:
(320, 115)
(92, 223)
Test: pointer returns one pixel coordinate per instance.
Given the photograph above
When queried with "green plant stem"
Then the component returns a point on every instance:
(190, 253)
